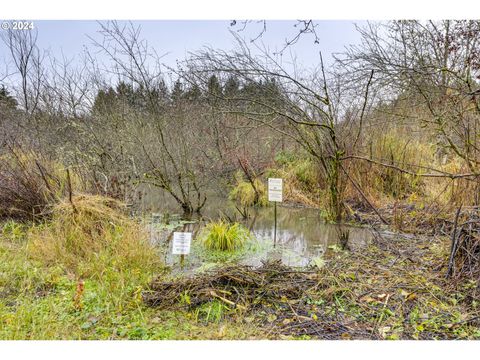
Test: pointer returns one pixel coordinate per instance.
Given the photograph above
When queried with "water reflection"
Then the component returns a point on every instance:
(301, 233)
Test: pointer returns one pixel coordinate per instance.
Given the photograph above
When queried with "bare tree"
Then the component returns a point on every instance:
(167, 161)
(434, 65)
(302, 28)
(68, 89)
(306, 109)
(27, 60)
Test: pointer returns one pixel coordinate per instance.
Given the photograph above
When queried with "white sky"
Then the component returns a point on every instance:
(176, 39)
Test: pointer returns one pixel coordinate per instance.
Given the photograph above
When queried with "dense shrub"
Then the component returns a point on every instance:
(30, 183)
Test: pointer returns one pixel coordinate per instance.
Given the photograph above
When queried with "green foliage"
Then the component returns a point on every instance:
(300, 169)
(211, 312)
(297, 168)
(211, 259)
(245, 195)
(222, 236)
(283, 158)
(13, 230)
(306, 173)
(301, 178)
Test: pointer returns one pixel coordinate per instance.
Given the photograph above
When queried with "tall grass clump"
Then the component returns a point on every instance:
(299, 168)
(89, 233)
(222, 236)
(402, 151)
(397, 148)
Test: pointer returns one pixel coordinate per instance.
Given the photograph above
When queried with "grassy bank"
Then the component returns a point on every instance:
(40, 301)
(394, 289)
(81, 274)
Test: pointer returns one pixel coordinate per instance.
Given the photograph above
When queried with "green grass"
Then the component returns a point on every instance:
(37, 296)
(36, 302)
(213, 311)
(223, 236)
(393, 297)
(216, 258)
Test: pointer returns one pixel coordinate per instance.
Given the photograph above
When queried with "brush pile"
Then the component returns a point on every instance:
(277, 295)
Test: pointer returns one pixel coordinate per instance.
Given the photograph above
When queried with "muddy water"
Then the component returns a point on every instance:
(301, 233)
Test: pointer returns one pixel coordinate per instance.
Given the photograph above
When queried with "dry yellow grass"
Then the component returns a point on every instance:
(91, 230)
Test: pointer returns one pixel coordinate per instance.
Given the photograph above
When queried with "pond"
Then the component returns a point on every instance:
(301, 236)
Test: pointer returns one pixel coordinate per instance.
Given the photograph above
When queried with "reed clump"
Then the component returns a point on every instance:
(223, 236)
(247, 194)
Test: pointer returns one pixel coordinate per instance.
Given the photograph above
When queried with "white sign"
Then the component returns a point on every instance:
(275, 189)
(181, 243)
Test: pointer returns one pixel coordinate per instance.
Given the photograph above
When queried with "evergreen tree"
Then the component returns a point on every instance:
(6, 99)
(105, 101)
(177, 91)
(193, 93)
(232, 86)
(214, 88)
(128, 95)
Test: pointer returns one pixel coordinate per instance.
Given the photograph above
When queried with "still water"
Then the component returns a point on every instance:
(301, 232)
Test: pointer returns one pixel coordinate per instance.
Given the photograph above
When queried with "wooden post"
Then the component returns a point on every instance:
(275, 224)
(182, 261)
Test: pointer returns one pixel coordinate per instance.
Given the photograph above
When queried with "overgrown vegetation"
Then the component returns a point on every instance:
(376, 293)
(386, 136)
(302, 181)
(246, 194)
(76, 276)
(97, 295)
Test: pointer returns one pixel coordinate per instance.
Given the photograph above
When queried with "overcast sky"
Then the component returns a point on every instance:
(176, 38)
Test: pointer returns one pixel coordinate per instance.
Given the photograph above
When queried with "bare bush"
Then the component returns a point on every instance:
(30, 183)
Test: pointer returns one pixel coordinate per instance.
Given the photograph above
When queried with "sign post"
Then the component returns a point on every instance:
(275, 223)
(181, 245)
(275, 194)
